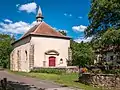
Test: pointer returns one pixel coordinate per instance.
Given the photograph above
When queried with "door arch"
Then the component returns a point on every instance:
(52, 61)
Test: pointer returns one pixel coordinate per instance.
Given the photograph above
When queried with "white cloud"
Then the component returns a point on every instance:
(17, 5)
(80, 28)
(55, 28)
(66, 14)
(70, 15)
(79, 40)
(80, 17)
(7, 20)
(29, 7)
(16, 28)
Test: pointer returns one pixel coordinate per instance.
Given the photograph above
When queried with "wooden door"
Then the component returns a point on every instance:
(52, 61)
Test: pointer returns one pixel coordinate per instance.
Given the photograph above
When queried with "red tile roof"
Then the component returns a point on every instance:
(44, 29)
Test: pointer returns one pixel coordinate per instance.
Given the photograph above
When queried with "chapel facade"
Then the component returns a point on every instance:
(40, 46)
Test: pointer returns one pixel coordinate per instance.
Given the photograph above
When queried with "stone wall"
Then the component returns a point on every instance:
(68, 69)
(108, 81)
(72, 69)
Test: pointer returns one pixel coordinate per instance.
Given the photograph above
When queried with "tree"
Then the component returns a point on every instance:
(104, 14)
(5, 50)
(63, 32)
(82, 53)
(12, 38)
(109, 38)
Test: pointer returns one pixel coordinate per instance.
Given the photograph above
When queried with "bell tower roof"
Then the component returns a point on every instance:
(39, 16)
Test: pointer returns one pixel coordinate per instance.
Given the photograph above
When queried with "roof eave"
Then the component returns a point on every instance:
(51, 36)
(20, 39)
(68, 38)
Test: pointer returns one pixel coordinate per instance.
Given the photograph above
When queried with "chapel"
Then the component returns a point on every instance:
(41, 46)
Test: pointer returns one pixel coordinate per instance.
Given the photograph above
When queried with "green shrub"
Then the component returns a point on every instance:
(49, 70)
(96, 71)
(116, 71)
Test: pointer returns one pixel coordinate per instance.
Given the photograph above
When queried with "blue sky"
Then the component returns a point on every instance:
(17, 16)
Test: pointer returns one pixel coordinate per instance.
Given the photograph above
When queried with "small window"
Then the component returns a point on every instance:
(26, 55)
(18, 55)
(61, 61)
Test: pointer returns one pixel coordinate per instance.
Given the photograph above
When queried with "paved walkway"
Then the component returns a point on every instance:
(32, 81)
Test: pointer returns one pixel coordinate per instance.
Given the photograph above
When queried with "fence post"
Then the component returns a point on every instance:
(4, 84)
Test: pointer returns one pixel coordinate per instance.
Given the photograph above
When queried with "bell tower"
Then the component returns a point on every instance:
(39, 16)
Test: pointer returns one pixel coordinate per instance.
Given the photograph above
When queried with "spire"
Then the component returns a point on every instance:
(39, 16)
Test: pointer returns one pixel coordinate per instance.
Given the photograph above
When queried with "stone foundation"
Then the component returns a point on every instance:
(108, 81)
(68, 69)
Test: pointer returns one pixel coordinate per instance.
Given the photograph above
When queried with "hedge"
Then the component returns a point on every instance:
(49, 70)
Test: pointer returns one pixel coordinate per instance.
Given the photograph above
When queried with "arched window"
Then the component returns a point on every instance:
(18, 60)
(26, 55)
(18, 54)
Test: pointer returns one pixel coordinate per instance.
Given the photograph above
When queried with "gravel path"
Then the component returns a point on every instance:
(32, 81)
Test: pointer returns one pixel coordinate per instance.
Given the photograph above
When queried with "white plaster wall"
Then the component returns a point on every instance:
(22, 46)
(43, 44)
(13, 61)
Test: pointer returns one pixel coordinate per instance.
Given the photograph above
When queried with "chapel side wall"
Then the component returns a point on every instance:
(43, 44)
(13, 61)
(23, 63)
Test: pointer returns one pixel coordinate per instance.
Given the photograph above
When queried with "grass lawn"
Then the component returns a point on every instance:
(66, 79)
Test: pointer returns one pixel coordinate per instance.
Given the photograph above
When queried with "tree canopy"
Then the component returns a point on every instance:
(104, 14)
(5, 50)
(63, 32)
(109, 40)
(82, 53)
